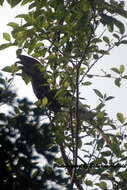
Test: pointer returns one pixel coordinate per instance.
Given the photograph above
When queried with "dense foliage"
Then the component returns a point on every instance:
(23, 142)
(69, 38)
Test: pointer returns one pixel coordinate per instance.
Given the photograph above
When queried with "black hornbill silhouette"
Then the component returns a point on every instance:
(39, 82)
(42, 88)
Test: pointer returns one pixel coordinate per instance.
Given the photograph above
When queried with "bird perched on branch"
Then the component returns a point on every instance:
(41, 86)
(42, 89)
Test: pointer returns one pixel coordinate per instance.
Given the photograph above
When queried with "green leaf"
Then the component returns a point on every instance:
(122, 68)
(117, 82)
(85, 6)
(90, 76)
(10, 69)
(7, 69)
(106, 39)
(7, 36)
(102, 185)
(96, 56)
(88, 182)
(104, 52)
(100, 115)
(116, 149)
(114, 69)
(18, 51)
(106, 153)
(98, 93)
(109, 98)
(4, 46)
(66, 84)
(120, 117)
(123, 175)
(120, 25)
(26, 1)
(13, 3)
(125, 145)
(124, 77)
(25, 78)
(13, 24)
(87, 83)
(44, 101)
(100, 106)
(1, 2)
(116, 36)
(123, 42)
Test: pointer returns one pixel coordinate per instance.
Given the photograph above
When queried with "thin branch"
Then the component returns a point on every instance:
(92, 65)
(69, 168)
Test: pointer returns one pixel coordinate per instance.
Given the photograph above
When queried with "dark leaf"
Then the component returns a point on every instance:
(1, 2)
(4, 46)
(13, 3)
(109, 98)
(106, 39)
(116, 149)
(98, 93)
(117, 82)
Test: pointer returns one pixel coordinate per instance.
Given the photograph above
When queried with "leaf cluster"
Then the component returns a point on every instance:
(24, 142)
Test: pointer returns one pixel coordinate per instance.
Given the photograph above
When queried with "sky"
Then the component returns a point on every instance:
(118, 56)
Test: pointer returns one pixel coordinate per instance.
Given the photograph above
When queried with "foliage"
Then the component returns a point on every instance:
(69, 38)
(22, 136)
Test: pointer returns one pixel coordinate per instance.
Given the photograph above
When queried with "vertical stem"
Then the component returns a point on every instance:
(77, 114)
(76, 133)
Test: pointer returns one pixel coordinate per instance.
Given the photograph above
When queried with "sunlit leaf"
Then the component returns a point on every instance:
(122, 68)
(66, 84)
(13, 24)
(44, 101)
(100, 115)
(6, 36)
(120, 117)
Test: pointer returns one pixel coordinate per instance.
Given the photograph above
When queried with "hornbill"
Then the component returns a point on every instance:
(42, 89)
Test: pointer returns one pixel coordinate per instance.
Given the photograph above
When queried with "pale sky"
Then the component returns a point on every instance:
(118, 56)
